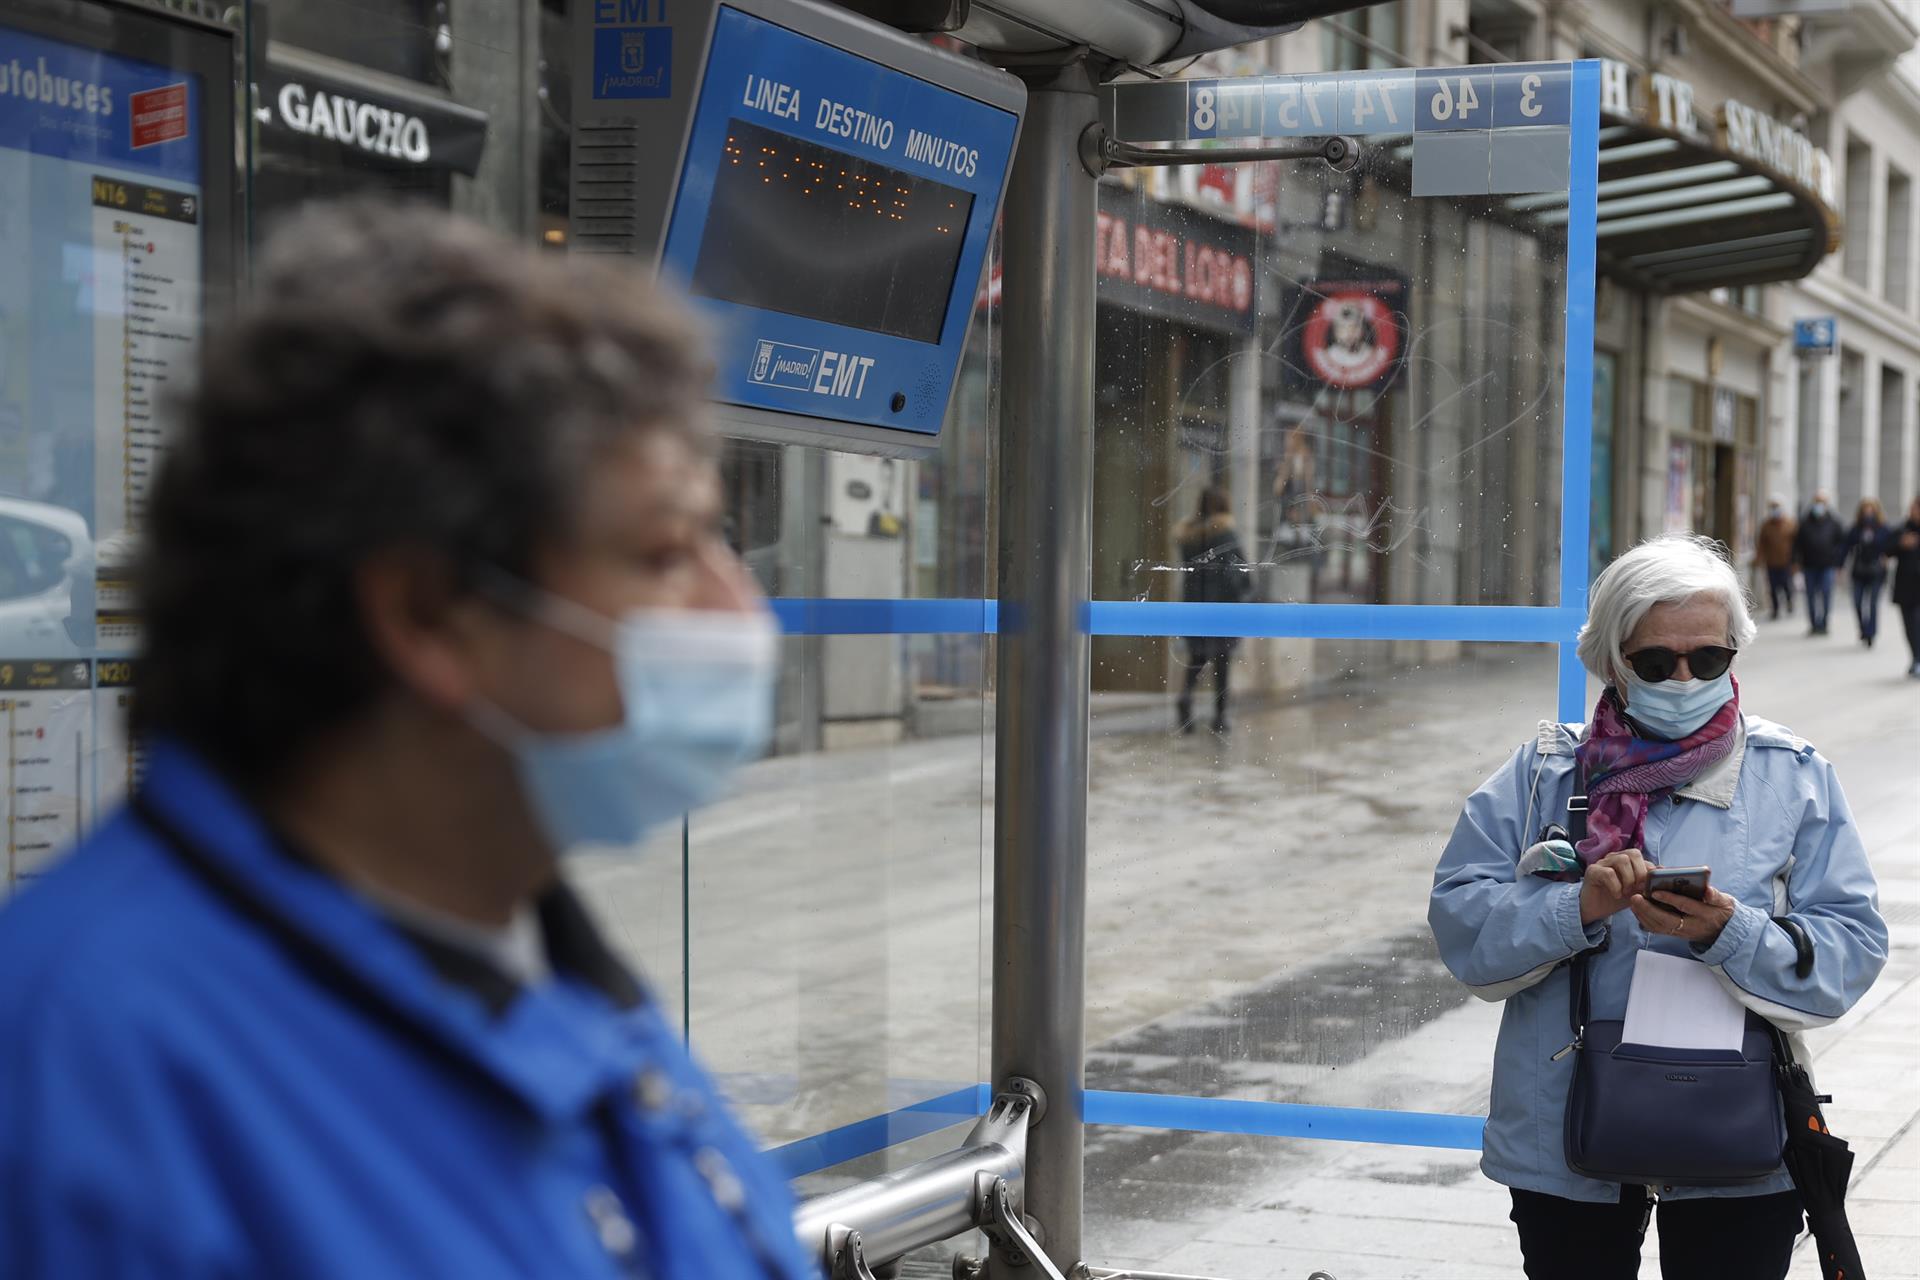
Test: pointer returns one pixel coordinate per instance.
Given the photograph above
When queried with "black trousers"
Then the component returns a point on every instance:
(1910, 619)
(1221, 660)
(1779, 589)
(1709, 1238)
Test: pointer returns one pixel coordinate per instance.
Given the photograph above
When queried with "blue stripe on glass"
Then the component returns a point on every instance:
(1142, 1111)
(877, 1133)
(1334, 621)
(1284, 1120)
(1519, 623)
(1576, 436)
(802, 616)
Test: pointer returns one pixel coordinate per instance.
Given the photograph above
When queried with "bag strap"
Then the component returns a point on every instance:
(1579, 994)
(1577, 805)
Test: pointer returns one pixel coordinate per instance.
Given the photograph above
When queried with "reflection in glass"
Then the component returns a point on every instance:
(835, 917)
(1385, 418)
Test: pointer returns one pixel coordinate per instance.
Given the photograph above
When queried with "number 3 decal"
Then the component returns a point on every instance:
(1529, 104)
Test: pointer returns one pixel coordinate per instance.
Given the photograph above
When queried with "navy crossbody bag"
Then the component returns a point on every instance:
(1648, 1114)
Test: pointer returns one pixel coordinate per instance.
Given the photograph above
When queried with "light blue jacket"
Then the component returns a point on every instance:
(1769, 820)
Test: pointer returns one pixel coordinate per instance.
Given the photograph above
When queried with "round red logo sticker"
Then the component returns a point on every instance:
(1351, 340)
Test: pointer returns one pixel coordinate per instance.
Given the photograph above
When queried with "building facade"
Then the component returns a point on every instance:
(1758, 161)
(1783, 358)
(1851, 427)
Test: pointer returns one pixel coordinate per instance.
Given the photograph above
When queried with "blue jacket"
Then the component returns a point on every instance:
(215, 1061)
(1771, 823)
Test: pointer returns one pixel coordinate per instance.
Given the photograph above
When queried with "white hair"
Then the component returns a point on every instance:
(1669, 569)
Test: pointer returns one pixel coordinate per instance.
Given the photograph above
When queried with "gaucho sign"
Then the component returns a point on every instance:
(384, 122)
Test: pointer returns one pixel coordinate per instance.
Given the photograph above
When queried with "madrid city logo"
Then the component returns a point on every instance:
(782, 364)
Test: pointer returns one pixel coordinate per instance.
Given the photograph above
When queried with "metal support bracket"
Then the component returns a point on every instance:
(846, 1258)
(1036, 1098)
(1003, 1224)
(926, 1202)
(1099, 152)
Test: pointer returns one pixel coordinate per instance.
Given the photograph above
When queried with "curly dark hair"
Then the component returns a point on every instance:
(399, 379)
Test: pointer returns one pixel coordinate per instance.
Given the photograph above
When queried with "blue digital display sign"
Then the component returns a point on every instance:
(833, 218)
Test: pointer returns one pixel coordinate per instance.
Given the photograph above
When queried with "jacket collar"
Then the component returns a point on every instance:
(555, 1049)
(1716, 783)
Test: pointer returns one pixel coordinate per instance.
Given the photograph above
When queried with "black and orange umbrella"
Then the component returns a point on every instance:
(1820, 1164)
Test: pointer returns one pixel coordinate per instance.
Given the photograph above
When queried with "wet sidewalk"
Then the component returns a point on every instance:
(1364, 1212)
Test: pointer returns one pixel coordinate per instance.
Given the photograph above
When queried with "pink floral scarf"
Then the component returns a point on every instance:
(1624, 772)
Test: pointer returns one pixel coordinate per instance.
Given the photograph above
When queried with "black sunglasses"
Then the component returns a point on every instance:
(1706, 662)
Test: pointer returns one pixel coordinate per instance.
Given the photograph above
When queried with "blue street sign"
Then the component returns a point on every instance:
(1814, 335)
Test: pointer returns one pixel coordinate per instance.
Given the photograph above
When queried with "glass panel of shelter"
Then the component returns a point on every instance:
(1376, 420)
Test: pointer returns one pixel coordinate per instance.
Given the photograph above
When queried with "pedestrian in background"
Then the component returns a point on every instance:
(1903, 548)
(1775, 555)
(1216, 572)
(435, 593)
(1867, 565)
(1819, 545)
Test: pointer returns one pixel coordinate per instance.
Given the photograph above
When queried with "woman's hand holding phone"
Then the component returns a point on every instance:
(1678, 915)
(1611, 883)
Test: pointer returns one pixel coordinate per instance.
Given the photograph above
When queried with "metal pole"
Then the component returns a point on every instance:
(1040, 807)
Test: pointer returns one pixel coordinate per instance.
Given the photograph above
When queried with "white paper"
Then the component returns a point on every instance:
(1677, 1003)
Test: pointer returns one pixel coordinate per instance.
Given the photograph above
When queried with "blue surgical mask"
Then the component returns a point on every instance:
(698, 692)
(1818, 508)
(1672, 709)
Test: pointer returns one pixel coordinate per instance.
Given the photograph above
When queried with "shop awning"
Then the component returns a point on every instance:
(1682, 212)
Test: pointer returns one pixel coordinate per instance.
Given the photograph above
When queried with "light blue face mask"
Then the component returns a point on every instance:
(698, 691)
(1672, 709)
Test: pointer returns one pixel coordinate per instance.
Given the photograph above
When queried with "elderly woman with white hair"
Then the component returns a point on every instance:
(1675, 773)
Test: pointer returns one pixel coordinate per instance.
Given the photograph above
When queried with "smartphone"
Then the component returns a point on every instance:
(1690, 881)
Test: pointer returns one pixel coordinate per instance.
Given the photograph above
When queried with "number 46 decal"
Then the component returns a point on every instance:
(1445, 106)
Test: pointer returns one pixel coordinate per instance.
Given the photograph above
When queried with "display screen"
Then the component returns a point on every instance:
(803, 229)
